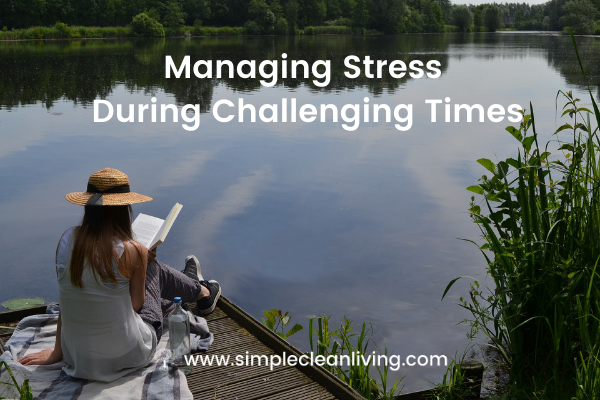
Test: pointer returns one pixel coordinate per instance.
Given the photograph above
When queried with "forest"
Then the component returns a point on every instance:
(303, 16)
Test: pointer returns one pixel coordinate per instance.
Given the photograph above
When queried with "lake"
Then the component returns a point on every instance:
(305, 217)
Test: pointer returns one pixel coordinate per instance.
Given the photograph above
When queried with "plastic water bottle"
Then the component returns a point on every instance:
(179, 337)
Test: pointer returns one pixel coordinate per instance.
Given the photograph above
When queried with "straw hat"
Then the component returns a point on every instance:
(107, 187)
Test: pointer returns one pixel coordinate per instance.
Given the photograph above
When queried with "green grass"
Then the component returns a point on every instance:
(62, 31)
(539, 217)
(452, 28)
(345, 340)
(22, 390)
(333, 30)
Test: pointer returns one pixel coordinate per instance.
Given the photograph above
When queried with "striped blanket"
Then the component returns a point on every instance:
(158, 380)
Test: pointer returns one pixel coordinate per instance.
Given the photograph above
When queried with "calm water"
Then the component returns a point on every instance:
(304, 217)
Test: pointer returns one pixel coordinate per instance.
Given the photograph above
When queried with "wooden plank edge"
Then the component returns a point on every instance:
(18, 315)
(319, 374)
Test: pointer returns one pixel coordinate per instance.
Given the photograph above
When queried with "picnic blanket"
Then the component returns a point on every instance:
(158, 380)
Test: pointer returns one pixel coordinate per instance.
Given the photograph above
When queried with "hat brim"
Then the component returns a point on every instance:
(108, 199)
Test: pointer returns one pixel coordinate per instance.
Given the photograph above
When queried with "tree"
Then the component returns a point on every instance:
(360, 14)
(143, 25)
(434, 17)
(386, 15)
(174, 15)
(291, 15)
(446, 8)
(315, 11)
(492, 17)
(334, 10)
(260, 13)
(276, 8)
(579, 15)
(462, 17)
(478, 19)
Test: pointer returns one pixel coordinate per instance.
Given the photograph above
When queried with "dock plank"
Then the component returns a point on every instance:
(238, 334)
(257, 387)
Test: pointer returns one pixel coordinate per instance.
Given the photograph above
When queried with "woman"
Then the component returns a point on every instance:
(113, 292)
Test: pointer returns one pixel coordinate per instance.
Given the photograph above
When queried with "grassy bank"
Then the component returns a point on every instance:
(539, 215)
(63, 31)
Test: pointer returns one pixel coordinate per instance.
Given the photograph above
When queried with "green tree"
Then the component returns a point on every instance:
(276, 8)
(478, 19)
(174, 15)
(446, 9)
(462, 17)
(291, 15)
(260, 13)
(334, 10)
(360, 14)
(143, 25)
(315, 12)
(434, 17)
(492, 18)
(579, 15)
(386, 15)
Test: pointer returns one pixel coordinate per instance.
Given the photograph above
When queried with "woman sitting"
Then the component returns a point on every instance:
(113, 292)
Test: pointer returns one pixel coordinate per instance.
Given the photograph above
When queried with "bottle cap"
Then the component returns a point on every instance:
(177, 300)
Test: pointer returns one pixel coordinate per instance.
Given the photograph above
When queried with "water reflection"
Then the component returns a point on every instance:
(305, 217)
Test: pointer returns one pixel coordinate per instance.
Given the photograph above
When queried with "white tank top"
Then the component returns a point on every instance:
(102, 337)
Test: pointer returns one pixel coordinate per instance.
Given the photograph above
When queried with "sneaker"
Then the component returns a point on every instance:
(207, 304)
(192, 268)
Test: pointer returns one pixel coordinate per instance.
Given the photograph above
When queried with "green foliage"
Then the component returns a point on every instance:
(492, 18)
(540, 219)
(333, 30)
(260, 13)
(281, 26)
(314, 12)
(339, 22)
(478, 19)
(63, 29)
(143, 25)
(291, 15)
(588, 375)
(23, 390)
(344, 341)
(276, 321)
(174, 15)
(462, 17)
(309, 30)
(580, 15)
(360, 14)
(455, 385)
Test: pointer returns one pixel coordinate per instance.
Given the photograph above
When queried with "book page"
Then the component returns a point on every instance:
(145, 229)
(166, 226)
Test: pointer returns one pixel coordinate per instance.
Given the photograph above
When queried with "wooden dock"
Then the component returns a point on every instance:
(238, 333)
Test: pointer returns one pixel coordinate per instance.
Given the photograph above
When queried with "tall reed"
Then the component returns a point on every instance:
(344, 341)
(540, 219)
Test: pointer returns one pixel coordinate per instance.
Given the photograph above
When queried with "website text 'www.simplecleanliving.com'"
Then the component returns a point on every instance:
(394, 362)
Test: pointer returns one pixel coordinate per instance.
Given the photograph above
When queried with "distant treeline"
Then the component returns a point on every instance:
(303, 16)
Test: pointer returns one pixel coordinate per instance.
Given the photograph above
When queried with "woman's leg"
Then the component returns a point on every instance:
(163, 284)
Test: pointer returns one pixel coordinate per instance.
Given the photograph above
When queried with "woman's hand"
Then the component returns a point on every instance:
(44, 357)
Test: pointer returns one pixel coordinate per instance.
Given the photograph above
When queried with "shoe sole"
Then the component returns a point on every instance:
(212, 308)
(198, 270)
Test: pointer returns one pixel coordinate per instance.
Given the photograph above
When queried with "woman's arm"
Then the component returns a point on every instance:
(48, 356)
(135, 260)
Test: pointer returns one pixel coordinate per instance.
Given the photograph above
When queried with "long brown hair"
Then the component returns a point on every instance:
(100, 226)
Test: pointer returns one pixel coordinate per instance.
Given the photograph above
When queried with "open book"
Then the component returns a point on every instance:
(151, 231)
